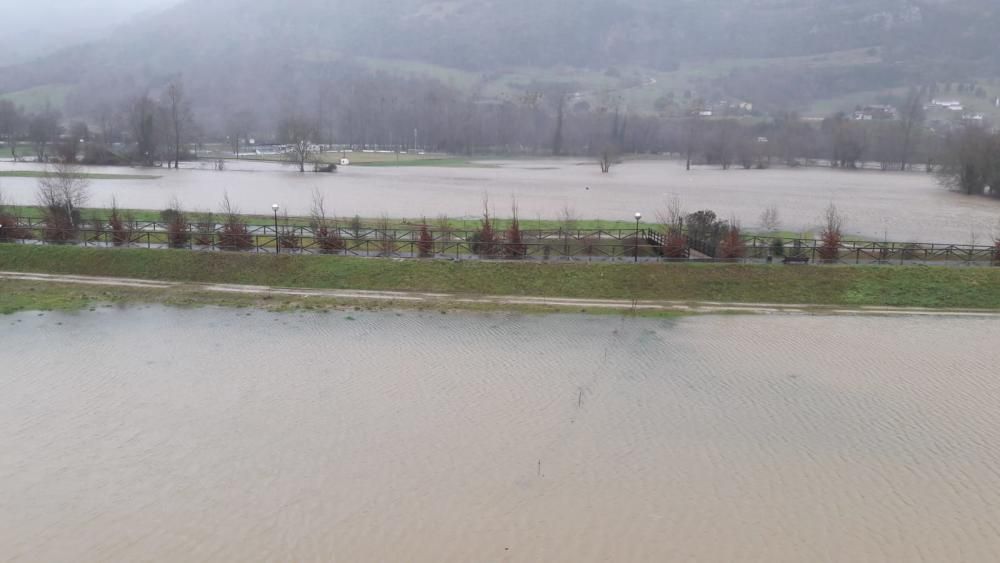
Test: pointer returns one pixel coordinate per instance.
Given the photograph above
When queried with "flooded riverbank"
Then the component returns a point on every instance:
(880, 205)
(163, 434)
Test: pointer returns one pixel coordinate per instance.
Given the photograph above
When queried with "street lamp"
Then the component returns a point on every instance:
(638, 217)
(277, 239)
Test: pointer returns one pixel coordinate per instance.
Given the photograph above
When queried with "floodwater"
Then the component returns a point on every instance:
(909, 207)
(177, 435)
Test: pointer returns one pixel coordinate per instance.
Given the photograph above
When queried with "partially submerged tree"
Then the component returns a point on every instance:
(180, 118)
(239, 128)
(972, 162)
(44, 130)
(609, 155)
(143, 126)
(298, 133)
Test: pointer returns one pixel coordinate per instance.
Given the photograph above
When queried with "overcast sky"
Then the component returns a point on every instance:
(29, 28)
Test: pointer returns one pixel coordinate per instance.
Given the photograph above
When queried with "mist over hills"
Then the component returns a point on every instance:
(778, 52)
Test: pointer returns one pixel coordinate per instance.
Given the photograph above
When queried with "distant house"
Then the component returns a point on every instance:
(947, 104)
(876, 113)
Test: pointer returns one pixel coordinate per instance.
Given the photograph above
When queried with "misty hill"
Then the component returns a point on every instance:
(273, 50)
(30, 30)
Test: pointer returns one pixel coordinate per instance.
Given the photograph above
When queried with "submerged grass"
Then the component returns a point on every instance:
(901, 286)
(87, 176)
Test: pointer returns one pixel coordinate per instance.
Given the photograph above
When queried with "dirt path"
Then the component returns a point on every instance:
(444, 299)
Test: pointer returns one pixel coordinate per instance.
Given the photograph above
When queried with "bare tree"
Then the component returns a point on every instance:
(11, 120)
(298, 134)
(911, 122)
(180, 117)
(770, 219)
(609, 154)
(568, 219)
(43, 130)
(142, 121)
(692, 138)
(971, 164)
(239, 126)
(832, 235)
(62, 191)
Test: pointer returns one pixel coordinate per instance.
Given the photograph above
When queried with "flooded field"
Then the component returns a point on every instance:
(909, 207)
(205, 435)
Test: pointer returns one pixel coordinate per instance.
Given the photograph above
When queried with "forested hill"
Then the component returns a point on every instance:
(227, 46)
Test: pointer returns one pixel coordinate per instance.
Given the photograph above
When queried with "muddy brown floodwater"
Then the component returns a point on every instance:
(908, 207)
(152, 434)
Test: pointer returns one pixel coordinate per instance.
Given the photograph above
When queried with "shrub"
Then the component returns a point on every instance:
(328, 240)
(288, 240)
(234, 234)
(514, 247)
(178, 231)
(385, 237)
(121, 230)
(675, 245)
(777, 247)
(425, 242)
(732, 246)
(832, 235)
(10, 230)
(327, 236)
(484, 243)
(205, 230)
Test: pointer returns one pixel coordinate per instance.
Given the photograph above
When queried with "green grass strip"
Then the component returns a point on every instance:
(901, 286)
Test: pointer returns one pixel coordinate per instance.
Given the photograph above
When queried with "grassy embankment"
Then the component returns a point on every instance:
(809, 285)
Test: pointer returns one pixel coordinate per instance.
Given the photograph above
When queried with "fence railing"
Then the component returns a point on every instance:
(434, 242)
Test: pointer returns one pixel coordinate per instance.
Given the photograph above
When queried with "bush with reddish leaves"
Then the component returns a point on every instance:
(288, 240)
(205, 231)
(484, 243)
(675, 245)
(235, 236)
(832, 236)
(425, 242)
(10, 230)
(120, 227)
(329, 240)
(732, 246)
(514, 245)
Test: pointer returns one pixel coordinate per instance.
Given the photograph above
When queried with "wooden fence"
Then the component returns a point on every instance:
(432, 242)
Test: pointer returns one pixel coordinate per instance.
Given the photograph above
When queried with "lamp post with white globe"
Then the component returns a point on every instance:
(638, 217)
(277, 239)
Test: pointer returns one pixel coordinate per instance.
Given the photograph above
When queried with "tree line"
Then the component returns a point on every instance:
(384, 111)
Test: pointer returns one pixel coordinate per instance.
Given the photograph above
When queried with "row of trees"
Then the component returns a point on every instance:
(373, 111)
(151, 129)
(370, 110)
(972, 163)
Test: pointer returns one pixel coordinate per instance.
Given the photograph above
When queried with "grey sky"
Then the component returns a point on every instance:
(30, 29)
